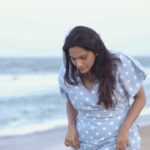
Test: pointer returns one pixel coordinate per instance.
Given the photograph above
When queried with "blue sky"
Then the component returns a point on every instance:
(38, 27)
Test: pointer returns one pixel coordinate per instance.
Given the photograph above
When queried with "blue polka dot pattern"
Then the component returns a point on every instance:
(98, 127)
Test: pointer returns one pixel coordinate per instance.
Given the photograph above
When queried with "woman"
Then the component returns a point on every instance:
(99, 87)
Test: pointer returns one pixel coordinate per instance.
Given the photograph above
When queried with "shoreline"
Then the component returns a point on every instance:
(53, 139)
(143, 120)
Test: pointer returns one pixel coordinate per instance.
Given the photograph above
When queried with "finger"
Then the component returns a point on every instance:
(73, 144)
(77, 143)
(123, 146)
(128, 142)
(67, 143)
(120, 145)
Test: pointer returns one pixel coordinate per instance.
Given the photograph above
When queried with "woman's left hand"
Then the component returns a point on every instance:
(122, 141)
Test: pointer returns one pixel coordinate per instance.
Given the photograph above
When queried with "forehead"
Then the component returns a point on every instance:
(78, 51)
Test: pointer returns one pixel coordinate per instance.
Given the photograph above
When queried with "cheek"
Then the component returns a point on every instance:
(74, 63)
(91, 61)
(91, 64)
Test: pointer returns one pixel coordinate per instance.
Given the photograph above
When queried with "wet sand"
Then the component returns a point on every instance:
(53, 140)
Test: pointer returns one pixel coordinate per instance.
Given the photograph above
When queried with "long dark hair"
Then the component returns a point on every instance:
(104, 67)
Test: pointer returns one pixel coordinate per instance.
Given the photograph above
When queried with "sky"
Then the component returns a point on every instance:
(39, 27)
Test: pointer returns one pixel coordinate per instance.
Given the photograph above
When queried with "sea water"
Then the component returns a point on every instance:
(29, 95)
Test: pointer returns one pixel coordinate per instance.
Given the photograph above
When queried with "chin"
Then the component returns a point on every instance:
(84, 71)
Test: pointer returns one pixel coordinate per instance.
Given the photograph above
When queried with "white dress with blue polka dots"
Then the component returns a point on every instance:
(98, 127)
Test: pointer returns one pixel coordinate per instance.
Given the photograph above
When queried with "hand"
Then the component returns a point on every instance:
(122, 141)
(72, 138)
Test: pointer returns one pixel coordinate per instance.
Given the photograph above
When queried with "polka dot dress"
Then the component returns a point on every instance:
(98, 127)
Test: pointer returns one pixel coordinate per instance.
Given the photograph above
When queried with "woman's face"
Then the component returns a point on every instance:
(82, 59)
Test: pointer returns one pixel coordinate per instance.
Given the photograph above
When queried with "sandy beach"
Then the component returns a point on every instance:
(145, 135)
(53, 140)
(46, 140)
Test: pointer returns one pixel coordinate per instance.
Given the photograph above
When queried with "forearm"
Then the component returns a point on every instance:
(136, 108)
(71, 114)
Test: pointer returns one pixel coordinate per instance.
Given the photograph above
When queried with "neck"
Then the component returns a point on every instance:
(87, 77)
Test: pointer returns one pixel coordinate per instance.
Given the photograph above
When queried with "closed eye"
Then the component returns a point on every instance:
(83, 57)
(72, 58)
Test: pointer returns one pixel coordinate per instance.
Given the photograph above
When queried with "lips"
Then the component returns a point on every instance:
(82, 70)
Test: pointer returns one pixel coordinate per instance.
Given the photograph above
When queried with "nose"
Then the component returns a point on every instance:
(79, 64)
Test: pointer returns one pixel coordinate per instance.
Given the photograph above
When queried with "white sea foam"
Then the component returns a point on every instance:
(32, 128)
(145, 111)
(27, 84)
(31, 84)
(42, 126)
(147, 70)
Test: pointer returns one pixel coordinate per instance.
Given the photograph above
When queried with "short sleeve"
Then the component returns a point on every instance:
(131, 74)
(62, 86)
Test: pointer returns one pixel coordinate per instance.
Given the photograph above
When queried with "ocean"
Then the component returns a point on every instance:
(30, 99)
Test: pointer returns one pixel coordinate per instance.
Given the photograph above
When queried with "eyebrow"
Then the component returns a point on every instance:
(79, 56)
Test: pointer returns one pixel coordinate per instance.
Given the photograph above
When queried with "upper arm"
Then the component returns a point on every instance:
(140, 93)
